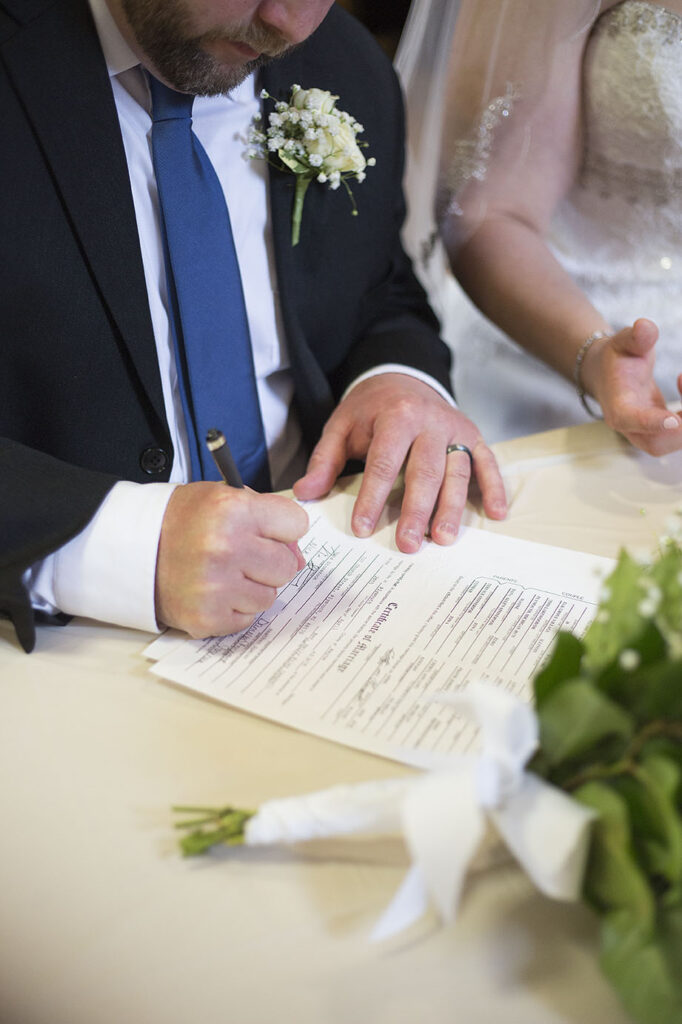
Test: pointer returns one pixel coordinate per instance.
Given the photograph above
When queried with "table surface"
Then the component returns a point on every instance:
(101, 922)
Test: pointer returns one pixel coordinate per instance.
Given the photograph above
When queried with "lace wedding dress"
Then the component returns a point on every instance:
(618, 231)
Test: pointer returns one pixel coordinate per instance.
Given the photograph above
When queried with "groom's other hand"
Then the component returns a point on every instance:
(394, 419)
(222, 555)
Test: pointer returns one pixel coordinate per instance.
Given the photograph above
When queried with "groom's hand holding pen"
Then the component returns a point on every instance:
(224, 551)
(227, 467)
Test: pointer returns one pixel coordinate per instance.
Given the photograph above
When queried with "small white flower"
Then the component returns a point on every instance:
(275, 120)
(322, 177)
(372, 162)
(315, 160)
(264, 94)
(629, 659)
(673, 526)
(646, 608)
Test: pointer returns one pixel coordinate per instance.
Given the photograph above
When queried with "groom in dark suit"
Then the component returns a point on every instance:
(89, 380)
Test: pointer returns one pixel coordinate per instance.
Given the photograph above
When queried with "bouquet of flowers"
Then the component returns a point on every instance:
(310, 138)
(585, 788)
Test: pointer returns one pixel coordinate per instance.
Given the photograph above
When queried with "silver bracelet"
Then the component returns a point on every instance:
(577, 370)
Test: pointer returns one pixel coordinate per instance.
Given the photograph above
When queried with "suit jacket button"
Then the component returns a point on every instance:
(154, 460)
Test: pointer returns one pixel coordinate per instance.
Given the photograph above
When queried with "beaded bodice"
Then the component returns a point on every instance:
(621, 224)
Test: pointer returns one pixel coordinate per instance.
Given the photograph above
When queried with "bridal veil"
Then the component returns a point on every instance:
(475, 73)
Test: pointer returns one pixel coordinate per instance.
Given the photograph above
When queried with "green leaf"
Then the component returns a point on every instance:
(671, 750)
(644, 968)
(670, 927)
(613, 878)
(618, 622)
(293, 163)
(650, 647)
(666, 573)
(650, 692)
(666, 772)
(576, 717)
(564, 664)
(656, 825)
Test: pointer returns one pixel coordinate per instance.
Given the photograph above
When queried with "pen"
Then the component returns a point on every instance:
(222, 456)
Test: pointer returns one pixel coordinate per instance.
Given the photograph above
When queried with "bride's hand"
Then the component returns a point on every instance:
(619, 372)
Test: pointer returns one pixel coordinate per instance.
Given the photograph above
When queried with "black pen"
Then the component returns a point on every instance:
(222, 456)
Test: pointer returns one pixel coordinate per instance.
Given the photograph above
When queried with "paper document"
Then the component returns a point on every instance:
(356, 647)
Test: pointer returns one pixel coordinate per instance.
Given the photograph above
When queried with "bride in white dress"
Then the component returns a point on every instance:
(559, 206)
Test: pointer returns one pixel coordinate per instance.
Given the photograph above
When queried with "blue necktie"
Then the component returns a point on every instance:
(205, 297)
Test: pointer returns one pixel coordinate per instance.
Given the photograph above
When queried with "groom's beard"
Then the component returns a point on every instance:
(164, 31)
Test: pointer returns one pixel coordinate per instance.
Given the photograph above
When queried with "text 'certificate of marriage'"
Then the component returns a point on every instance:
(357, 645)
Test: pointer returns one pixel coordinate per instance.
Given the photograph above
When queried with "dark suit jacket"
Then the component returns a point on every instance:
(80, 395)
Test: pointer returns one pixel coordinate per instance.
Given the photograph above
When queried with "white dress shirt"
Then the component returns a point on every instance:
(107, 572)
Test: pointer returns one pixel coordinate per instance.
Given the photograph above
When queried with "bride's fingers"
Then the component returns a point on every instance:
(637, 340)
(662, 443)
(633, 419)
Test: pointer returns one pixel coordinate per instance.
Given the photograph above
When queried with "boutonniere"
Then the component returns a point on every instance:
(310, 138)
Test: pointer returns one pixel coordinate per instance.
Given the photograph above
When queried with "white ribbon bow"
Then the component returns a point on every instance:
(443, 814)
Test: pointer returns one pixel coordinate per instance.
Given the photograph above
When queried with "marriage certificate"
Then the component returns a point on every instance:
(361, 644)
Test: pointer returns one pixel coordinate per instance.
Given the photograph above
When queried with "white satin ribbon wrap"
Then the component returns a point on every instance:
(443, 814)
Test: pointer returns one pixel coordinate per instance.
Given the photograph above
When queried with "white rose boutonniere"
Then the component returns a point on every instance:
(310, 138)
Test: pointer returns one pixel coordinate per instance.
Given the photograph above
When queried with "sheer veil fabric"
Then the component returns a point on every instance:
(490, 87)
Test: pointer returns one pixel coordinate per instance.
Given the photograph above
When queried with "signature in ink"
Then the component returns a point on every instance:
(314, 564)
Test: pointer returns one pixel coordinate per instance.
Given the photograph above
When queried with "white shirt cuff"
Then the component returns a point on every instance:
(410, 371)
(108, 570)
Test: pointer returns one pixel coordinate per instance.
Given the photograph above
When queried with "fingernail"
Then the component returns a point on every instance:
(362, 527)
(447, 529)
(411, 537)
(671, 423)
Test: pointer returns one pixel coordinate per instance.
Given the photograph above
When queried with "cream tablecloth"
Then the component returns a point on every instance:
(101, 922)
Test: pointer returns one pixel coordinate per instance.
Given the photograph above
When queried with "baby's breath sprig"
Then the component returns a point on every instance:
(310, 138)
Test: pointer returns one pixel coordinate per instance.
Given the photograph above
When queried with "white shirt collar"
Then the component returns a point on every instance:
(117, 53)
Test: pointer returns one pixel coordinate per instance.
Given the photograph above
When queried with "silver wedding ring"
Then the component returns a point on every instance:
(461, 448)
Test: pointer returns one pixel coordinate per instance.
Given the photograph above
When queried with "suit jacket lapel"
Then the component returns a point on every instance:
(58, 70)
